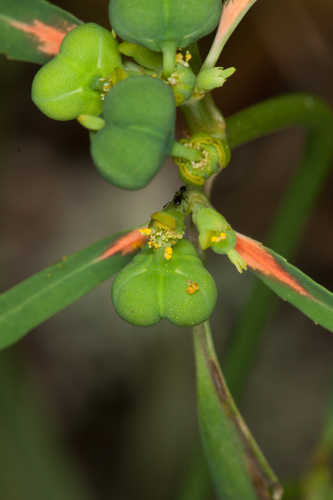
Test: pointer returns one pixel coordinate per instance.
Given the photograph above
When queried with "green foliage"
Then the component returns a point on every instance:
(129, 144)
(36, 299)
(67, 86)
(151, 288)
(32, 31)
(139, 132)
(312, 299)
(220, 435)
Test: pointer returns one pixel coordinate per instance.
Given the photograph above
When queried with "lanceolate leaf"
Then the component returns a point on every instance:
(238, 467)
(33, 30)
(287, 281)
(38, 298)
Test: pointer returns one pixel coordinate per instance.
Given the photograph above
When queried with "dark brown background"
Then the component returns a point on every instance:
(123, 398)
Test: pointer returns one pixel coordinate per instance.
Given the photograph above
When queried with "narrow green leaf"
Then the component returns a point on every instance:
(33, 31)
(316, 117)
(238, 467)
(36, 299)
(287, 281)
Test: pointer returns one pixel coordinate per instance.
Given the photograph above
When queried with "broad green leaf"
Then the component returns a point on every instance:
(36, 299)
(287, 281)
(238, 467)
(33, 30)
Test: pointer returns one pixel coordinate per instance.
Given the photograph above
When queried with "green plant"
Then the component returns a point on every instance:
(126, 95)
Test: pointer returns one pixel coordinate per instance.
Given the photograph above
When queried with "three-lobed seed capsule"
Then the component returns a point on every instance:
(140, 118)
(67, 86)
(152, 287)
(164, 25)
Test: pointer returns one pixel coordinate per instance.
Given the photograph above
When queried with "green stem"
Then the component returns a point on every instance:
(210, 379)
(182, 151)
(204, 116)
(269, 116)
(169, 50)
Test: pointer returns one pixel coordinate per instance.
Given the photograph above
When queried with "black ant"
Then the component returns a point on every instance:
(179, 196)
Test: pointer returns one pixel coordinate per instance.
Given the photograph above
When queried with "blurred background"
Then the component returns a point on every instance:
(91, 407)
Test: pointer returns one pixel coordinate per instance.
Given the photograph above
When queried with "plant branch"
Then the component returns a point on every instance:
(204, 116)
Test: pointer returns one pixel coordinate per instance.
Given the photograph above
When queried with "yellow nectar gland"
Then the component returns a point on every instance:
(168, 253)
(146, 231)
(188, 56)
(192, 287)
(153, 244)
(219, 237)
(180, 59)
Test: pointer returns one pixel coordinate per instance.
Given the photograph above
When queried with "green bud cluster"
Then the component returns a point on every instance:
(129, 107)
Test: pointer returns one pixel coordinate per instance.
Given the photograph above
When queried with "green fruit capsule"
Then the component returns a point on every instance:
(152, 287)
(164, 25)
(139, 132)
(69, 85)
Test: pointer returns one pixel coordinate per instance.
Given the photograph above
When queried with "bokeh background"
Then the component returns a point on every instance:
(91, 407)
